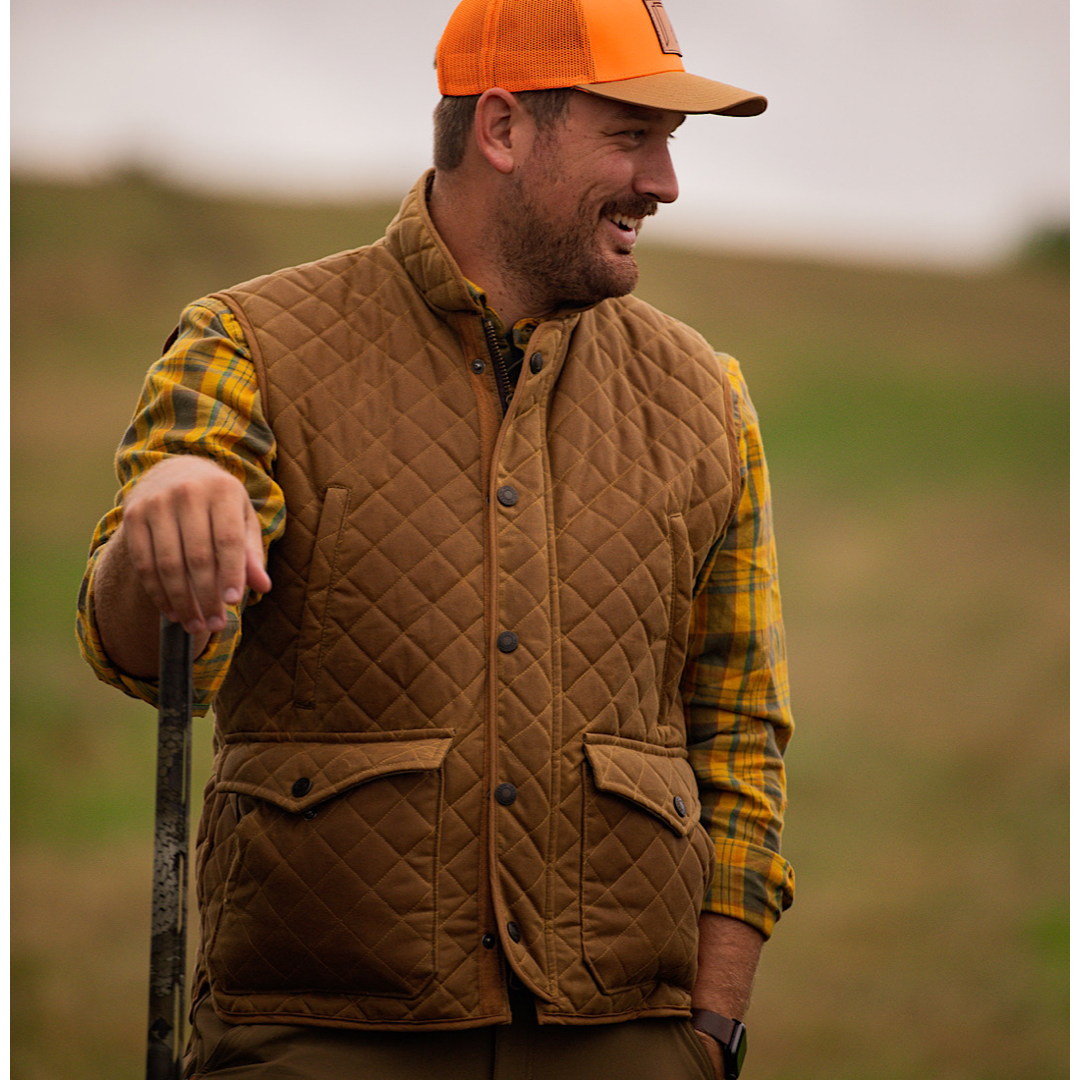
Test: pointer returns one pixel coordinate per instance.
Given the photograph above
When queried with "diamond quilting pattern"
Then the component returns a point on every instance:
(341, 902)
(396, 646)
(381, 623)
(404, 621)
(646, 866)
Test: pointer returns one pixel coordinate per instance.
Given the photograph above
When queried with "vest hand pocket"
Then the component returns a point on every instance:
(330, 887)
(645, 864)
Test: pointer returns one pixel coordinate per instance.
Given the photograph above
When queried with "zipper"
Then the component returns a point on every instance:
(498, 365)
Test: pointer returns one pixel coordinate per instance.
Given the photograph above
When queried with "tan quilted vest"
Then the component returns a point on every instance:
(453, 730)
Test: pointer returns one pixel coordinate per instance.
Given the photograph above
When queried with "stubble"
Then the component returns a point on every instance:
(557, 261)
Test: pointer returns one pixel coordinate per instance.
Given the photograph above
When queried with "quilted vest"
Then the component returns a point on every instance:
(452, 738)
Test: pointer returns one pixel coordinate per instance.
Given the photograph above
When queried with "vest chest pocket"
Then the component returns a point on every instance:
(679, 605)
(320, 583)
(646, 863)
(330, 888)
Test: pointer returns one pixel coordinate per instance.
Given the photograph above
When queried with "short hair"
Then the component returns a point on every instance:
(454, 121)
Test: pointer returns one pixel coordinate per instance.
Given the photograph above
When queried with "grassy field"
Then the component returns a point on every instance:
(917, 430)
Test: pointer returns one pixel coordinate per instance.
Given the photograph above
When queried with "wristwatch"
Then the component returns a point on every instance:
(730, 1034)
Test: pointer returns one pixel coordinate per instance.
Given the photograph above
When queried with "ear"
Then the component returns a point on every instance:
(503, 129)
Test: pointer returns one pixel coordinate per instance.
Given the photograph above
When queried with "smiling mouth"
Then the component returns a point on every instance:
(626, 224)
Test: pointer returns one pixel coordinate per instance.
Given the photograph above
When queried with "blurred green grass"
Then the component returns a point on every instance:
(916, 425)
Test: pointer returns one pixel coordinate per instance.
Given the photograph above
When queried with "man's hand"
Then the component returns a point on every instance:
(712, 1048)
(194, 541)
(189, 544)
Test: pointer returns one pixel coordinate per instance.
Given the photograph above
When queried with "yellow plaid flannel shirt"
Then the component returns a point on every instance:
(201, 397)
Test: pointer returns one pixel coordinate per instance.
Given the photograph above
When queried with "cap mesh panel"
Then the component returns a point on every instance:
(459, 50)
(529, 56)
(521, 53)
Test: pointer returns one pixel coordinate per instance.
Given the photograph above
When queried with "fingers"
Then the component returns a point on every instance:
(171, 544)
(155, 552)
(255, 568)
(227, 572)
(190, 528)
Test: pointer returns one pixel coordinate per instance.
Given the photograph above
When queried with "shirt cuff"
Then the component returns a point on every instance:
(751, 884)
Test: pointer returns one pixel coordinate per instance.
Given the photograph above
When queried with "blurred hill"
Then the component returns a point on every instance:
(1047, 248)
(917, 430)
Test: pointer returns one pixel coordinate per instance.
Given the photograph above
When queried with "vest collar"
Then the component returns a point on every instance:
(414, 241)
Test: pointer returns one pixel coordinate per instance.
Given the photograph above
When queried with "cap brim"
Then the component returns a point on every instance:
(682, 92)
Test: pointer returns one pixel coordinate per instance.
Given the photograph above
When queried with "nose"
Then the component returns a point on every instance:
(657, 179)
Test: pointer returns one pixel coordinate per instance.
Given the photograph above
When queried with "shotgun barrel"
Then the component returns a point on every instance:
(168, 932)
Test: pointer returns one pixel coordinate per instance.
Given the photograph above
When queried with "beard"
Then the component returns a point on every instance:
(558, 261)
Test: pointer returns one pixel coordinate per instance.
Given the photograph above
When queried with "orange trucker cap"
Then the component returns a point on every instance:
(621, 49)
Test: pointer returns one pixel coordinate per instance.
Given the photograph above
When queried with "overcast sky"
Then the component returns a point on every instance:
(915, 130)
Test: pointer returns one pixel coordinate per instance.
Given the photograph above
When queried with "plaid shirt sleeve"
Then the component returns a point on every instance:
(201, 397)
(735, 689)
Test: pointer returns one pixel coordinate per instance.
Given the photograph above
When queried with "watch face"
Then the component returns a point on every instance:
(735, 1052)
(740, 1050)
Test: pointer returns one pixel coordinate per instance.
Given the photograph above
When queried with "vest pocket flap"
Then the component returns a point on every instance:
(656, 778)
(298, 775)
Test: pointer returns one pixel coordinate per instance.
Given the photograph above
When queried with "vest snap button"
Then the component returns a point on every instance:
(506, 794)
(301, 787)
(536, 362)
(513, 931)
(507, 495)
(507, 641)
(488, 941)
(478, 366)
(680, 806)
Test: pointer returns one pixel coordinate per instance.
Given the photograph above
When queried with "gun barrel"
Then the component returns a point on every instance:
(168, 933)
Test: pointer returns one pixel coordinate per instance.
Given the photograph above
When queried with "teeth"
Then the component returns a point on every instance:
(627, 223)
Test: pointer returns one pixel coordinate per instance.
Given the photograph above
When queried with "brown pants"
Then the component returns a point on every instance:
(665, 1049)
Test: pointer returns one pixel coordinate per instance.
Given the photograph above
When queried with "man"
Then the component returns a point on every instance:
(498, 783)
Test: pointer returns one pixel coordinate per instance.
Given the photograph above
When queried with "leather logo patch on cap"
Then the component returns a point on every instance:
(669, 43)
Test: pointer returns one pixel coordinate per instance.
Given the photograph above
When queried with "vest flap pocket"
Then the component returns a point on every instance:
(656, 778)
(298, 775)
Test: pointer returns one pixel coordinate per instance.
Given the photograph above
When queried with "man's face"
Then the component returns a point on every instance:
(573, 209)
